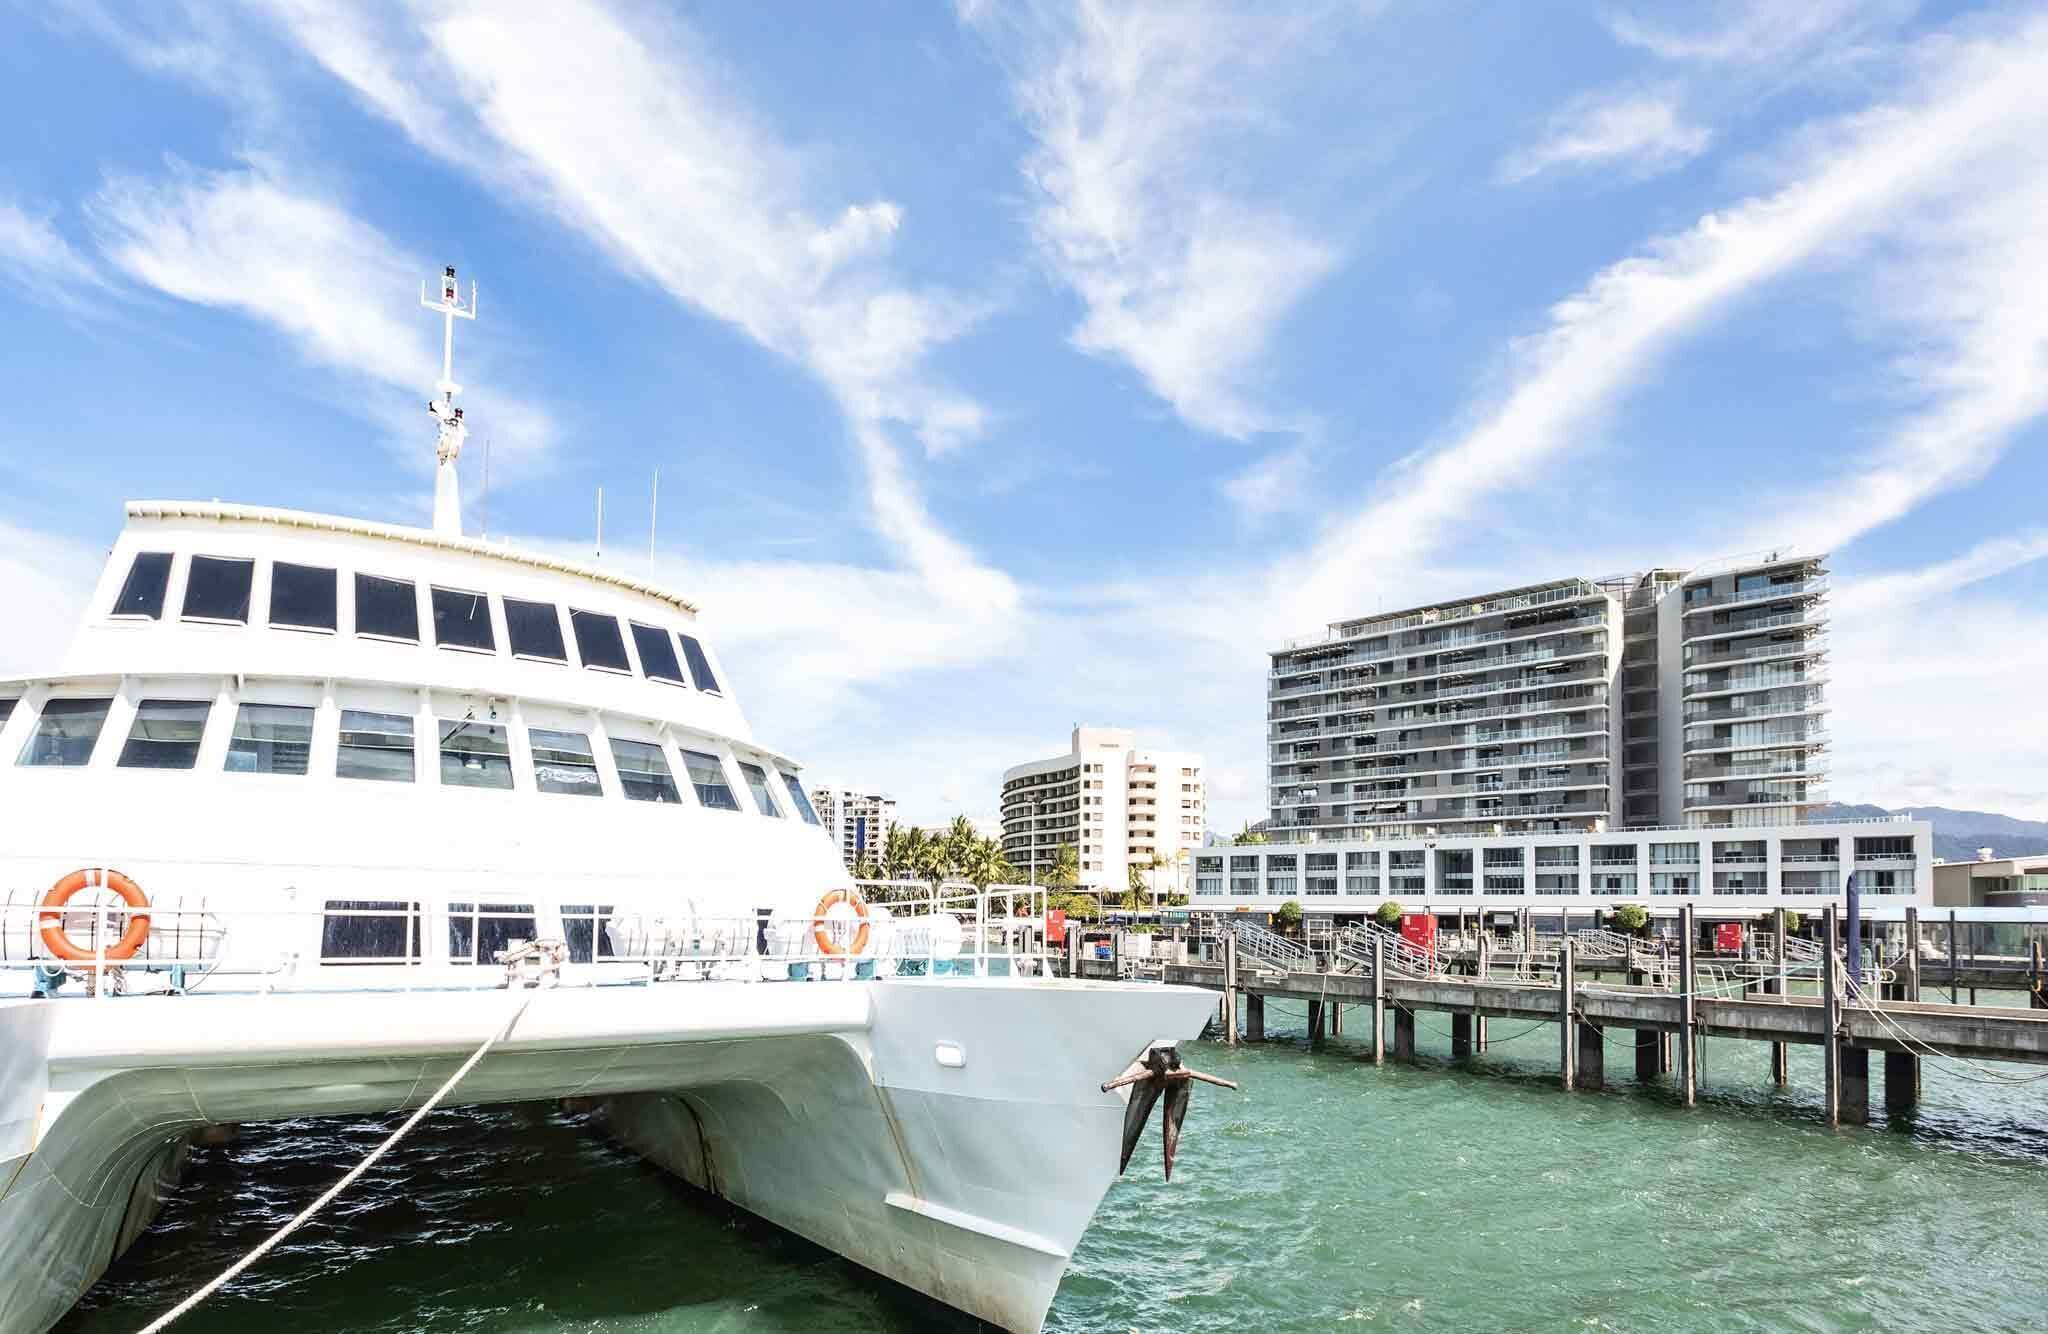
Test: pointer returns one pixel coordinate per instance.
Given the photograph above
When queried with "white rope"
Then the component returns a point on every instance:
(1986, 1076)
(305, 1215)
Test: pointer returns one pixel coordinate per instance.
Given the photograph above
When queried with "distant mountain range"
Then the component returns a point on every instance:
(1958, 834)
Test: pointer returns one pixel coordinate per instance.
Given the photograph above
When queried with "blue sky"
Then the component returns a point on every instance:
(1009, 366)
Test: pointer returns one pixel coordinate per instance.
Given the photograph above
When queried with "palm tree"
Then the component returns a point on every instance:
(960, 840)
(985, 864)
(1066, 867)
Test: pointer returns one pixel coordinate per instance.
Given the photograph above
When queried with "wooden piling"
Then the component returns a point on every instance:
(1230, 989)
(1254, 1018)
(1591, 1057)
(1567, 1025)
(1404, 1034)
(1902, 1069)
(1484, 970)
(1951, 956)
(1461, 1036)
(1855, 1084)
(1648, 1045)
(2036, 998)
(1781, 1059)
(1831, 1024)
(1336, 1020)
(1688, 1027)
(1315, 1021)
(1379, 1000)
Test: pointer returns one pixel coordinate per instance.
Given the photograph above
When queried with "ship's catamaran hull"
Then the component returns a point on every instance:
(947, 1133)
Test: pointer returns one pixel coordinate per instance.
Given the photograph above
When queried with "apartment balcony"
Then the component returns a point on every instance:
(1785, 764)
(1815, 615)
(1798, 588)
(1701, 656)
(1573, 590)
(1791, 738)
(1703, 685)
(1778, 704)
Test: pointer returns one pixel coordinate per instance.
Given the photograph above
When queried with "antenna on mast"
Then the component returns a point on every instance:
(447, 495)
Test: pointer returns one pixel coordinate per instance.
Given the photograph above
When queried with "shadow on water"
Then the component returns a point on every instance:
(503, 1218)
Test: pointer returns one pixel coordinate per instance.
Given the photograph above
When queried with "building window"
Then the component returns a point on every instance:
(463, 620)
(757, 783)
(476, 932)
(142, 592)
(562, 763)
(598, 640)
(534, 630)
(700, 665)
(271, 739)
(475, 754)
(165, 734)
(657, 654)
(370, 931)
(65, 733)
(376, 746)
(217, 589)
(302, 597)
(707, 775)
(643, 772)
(387, 608)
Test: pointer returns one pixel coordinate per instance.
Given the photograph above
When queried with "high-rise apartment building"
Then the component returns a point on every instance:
(857, 821)
(1670, 697)
(1119, 806)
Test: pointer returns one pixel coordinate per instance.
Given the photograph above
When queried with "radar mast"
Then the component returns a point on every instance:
(447, 498)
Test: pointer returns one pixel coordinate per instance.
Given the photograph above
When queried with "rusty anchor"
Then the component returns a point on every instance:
(1159, 1072)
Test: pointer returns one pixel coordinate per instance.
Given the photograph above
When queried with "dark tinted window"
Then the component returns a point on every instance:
(370, 931)
(757, 783)
(707, 775)
(477, 931)
(375, 746)
(463, 620)
(798, 796)
(65, 733)
(142, 593)
(217, 589)
(643, 772)
(271, 739)
(387, 607)
(301, 596)
(657, 654)
(700, 666)
(165, 735)
(583, 926)
(7, 709)
(598, 640)
(535, 630)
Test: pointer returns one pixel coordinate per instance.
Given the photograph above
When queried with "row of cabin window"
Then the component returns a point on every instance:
(304, 597)
(278, 739)
(392, 931)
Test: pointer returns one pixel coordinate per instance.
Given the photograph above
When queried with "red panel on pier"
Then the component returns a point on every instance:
(1728, 937)
(1419, 930)
(1056, 926)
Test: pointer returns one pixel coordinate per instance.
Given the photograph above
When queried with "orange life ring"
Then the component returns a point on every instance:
(827, 945)
(50, 922)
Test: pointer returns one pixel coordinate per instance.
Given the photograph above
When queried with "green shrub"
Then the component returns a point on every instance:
(1389, 913)
(1287, 917)
(1628, 918)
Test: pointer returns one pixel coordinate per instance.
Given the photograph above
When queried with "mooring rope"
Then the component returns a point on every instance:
(305, 1215)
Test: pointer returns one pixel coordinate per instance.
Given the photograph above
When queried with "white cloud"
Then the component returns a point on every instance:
(44, 581)
(1276, 484)
(343, 293)
(1876, 594)
(36, 258)
(1754, 32)
(1641, 132)
(1186, 280)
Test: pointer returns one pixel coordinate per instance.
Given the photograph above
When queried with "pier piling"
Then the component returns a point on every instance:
(1404, 1034)
(1379, 1000)
(1567, 1023)
(1831, 1025)
(1781, 1062)
(1688, 1025)
(1855, 1108)
(1461, 1036)
(1254, 1018)
(1591, 1056)
(1902, 1069)
(1315, 1021)
(1230, 990)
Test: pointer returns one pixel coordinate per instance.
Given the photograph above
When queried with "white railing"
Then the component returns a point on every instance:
(412, 943)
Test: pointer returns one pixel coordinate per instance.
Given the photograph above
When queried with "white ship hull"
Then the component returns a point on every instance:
(823, 1108)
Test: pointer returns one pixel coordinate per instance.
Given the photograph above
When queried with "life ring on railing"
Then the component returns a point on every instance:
(50, 921)
(832, 899)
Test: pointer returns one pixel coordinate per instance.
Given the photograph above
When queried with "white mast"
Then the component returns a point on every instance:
(447, 499)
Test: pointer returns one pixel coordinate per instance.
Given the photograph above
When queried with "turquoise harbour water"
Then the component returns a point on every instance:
(1329, 1195)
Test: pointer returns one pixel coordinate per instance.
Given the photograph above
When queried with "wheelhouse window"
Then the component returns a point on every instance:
(700, 666)
(217, 589)
(534, 630)
(271, 739)
(657, 654)
(376, 746)
(598, 641)
(302, 597)
(475, 754)
(477, 931)
(7, 710)
(65, 733)
(757, 783)
(142, 592)
(562, 762)
(369, 931)
(583, 932)
(643, 772)
(387, 608)
(463, 620)
(165, 735)
(707, 775)
(799, 798)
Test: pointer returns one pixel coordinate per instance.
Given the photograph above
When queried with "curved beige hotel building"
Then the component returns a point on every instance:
(1118, 805)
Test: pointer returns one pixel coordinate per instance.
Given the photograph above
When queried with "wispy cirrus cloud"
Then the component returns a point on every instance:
(37, 259)
(1141, 115)
(1750, 32)
(1637, 132)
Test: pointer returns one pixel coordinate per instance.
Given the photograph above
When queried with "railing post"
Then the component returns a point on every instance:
(1688, 1030)
(1567, 1028)
(1379, 999)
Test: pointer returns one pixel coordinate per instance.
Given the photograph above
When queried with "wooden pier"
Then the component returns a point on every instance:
(1667, 1013)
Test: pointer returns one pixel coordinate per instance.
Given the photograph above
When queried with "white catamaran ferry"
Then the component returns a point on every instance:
(313, 811)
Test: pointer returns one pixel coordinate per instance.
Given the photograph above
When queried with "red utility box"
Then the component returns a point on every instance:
(1728, 937)
(1419, 930)
(1056, 926)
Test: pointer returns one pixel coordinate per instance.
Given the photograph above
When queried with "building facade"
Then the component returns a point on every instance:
(857, 821)
(1667, 698)
(1119, 806)
(1992, 882)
